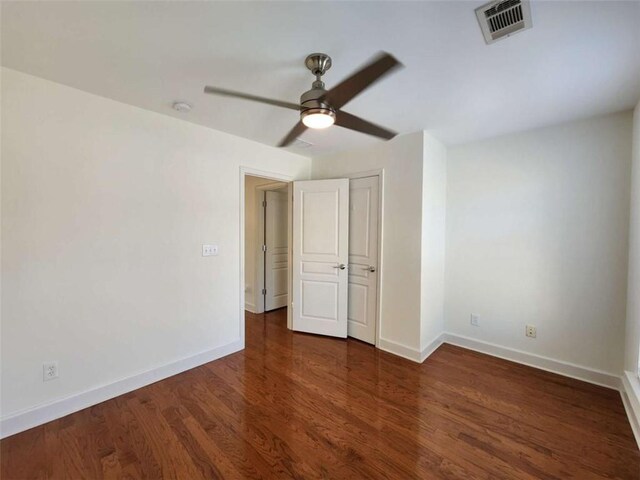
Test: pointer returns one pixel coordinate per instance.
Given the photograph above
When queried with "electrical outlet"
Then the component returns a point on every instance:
(531, 331)
(49, 371)
(475, 320)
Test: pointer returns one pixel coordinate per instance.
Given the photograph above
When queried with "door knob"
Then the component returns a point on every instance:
(371, 268)
(342, 266)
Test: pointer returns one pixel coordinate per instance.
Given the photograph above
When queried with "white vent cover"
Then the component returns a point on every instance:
(502, 18)
(301, 144)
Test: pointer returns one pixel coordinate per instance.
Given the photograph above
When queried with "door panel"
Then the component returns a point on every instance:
(277, 254)
(320, 246)
(363, 257)
(320, 217)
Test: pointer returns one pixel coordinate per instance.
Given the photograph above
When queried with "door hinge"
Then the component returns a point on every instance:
(264, 203)
(264, 248)
(264, 291)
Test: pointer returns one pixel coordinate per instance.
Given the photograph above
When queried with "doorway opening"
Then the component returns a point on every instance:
(266, 246)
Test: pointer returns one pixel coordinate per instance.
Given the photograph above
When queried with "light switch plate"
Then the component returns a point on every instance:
(209, 250)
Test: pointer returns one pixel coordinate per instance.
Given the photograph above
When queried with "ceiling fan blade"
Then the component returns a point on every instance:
(381, 65)
(358, 124)
(293, 134)
(247, 96)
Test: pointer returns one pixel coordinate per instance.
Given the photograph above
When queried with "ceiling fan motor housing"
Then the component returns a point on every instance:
(311, 103)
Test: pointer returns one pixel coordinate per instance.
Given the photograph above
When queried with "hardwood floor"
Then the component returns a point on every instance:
(300, 406)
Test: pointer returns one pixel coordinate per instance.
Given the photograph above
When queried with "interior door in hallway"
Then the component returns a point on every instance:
(363, 258)
(320, 256)
(277, 250)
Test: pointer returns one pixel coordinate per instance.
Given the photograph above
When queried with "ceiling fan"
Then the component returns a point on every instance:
(321, 108)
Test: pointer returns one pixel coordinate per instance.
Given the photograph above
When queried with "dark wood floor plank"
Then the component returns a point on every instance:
(238, 446)
(301, 406)
(312, 426)
(169, 453)
(130, 440)
(26, 455)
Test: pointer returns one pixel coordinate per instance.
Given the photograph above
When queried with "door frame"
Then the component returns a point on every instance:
(260, 238)
(276, 177)
(378, 172)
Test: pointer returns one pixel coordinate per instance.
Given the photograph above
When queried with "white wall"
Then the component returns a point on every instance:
(537, 233)
(104, 210)
(250, 240)
(401, 159)
(434, 198)
(633, 288)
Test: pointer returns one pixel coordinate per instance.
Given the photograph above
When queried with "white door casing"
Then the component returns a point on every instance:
(363, 258)
(320, 256)
(276, 257)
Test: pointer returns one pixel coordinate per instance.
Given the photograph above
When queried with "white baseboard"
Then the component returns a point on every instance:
(630, 394)
(399, 349)
(430, 348)
(579, 372)
(250, 307)
(407, 352)
(32, 417)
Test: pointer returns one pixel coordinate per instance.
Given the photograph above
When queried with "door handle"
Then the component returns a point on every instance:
(370, 268)
(342, 266)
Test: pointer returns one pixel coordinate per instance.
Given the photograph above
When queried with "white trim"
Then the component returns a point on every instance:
(597, 377)
(250, 307)
(61, 407)
(430, 348)
(410, 353)
(630, 394)
(399, 349)
(290, 258)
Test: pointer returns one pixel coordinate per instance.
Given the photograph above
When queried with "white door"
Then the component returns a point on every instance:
(363, 258)
(276, 257)
(320, 256)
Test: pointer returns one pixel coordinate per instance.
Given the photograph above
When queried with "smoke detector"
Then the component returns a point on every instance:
(182, 107)
(502, 18)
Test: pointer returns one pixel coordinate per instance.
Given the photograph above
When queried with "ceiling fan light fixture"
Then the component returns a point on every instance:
(318, 118)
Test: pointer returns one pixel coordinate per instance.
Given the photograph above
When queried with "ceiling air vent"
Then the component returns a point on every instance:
(503, 18)
(301, 143)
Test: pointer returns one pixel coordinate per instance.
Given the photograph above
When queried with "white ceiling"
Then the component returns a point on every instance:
(579, 59)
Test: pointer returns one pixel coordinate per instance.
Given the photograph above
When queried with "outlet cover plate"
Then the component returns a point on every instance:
(49, 371)
(475, 320)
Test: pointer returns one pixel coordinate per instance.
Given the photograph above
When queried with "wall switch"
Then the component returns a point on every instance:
(475, 320)
(49, 371)
(531, 331)
(209, 250)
